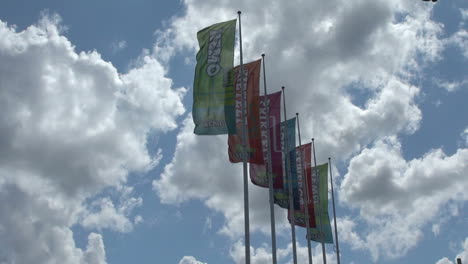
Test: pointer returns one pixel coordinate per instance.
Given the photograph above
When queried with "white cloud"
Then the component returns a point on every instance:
(190, 260)
(70, 127)
(452, 86)
(118, 46)
(105, 215)
(397, 198)
(95, 252)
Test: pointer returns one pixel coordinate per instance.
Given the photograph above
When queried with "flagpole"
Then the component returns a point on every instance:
(305, 195)
(244, 151)
(334, 213)
(290, 189)
(269, 167)
(321, 235)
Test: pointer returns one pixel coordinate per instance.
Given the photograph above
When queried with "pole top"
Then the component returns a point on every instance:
(297, 114)
(329, 158)
(263, 54)
(312, 139)
(282, 87)
(239, 12)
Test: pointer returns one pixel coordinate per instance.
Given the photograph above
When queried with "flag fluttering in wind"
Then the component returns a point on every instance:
(322, 232)
(303, 162)
(258, 172)
(250, 81)
(213, 91)
(288, 144)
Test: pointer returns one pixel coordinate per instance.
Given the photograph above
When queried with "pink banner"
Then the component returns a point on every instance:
(258, 174)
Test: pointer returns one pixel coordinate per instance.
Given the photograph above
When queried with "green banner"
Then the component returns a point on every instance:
(320, 190)
(213, 86)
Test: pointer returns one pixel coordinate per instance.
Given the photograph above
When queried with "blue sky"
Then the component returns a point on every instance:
(98, 162)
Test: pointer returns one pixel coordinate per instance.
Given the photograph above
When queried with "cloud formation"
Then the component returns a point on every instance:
(397, 198)
(71, 125)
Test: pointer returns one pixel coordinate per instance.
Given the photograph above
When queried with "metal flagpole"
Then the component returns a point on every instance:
(269, 167)
(244, 151)
(321, 235)
(334, 213)
(290, 189)
(305, 195)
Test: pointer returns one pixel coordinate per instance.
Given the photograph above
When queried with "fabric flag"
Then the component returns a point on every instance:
(250, 81)
(303, 158)
(258, 174)
(288, 135)
(213, 91)
(320, 189)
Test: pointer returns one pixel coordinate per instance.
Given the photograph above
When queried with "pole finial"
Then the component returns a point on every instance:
(329, 158)
(282, 87)
(239, 12)
(263, 55)
(312, 139)
(297, 114)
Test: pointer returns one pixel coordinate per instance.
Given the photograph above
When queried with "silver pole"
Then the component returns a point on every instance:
(290, 189)
(305, 192)
(321, 235)
(334, 213)
(269, 168)
(244, 151)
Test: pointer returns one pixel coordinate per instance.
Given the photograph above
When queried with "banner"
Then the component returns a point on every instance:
(288, 144)
(250, 81)
(258, 174)
(303, 164)
(320, 190)
(213, 91)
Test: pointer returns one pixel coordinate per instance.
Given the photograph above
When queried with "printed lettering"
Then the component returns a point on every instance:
(214, 52)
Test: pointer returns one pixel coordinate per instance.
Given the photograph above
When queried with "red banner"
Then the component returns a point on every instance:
(258, 174)
(304, 166)
(251, 81)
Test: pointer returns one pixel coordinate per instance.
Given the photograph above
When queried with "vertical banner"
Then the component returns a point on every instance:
(303, 157)
(320, 192)
(288, 134)
(258, 172)
(250, 81)
(213, 92)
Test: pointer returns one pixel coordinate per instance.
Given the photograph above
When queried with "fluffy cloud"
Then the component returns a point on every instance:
(190, 260)
(397, 198)
(71, 125)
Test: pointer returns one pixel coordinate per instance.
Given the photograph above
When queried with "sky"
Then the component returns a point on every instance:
(99, 163)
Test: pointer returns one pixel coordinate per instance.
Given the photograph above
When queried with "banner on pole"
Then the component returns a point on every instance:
(288, 137)
(258, 172)
(213, 91)
(250, 82)
(303, 158)
(320, 199)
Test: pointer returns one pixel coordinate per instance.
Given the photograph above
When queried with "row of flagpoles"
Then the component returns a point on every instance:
(227, 101)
